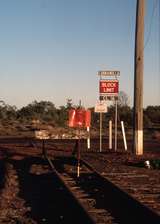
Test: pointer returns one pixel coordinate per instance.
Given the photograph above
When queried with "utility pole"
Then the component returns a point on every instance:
(138, 79)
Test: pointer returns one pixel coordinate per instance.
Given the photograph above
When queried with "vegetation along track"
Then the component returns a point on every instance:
(101, 199)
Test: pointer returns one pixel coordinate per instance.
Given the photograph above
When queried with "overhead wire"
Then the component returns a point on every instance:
(155, 13)
(155, 5)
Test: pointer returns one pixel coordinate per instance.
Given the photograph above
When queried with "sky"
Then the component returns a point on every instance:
(52, 49)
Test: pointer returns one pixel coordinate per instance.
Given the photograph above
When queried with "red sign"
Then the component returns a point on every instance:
(79, 118)
(108, 87)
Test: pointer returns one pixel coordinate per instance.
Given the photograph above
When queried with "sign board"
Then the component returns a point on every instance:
(109, 87)
(106, 98)
(109, 73)
(100, 107)
(42, 134)
(79, 118)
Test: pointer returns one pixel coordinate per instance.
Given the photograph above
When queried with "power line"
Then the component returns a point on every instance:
(155, 5)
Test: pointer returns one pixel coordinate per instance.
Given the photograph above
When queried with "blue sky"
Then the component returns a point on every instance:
(52, 49)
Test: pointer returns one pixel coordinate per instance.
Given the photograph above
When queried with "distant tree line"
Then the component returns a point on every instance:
(45, 111)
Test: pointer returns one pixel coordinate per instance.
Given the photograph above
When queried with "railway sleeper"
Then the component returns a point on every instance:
(113, 191)
(88, 201)
(101, 216)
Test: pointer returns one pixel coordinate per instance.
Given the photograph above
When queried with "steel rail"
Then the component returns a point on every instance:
(83, 214)
(133, 209)
(130, 209)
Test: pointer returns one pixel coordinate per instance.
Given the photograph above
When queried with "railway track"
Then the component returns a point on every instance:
(141, 183)
(81, 188)
(101, 199)
(116, 194)
(33, 193)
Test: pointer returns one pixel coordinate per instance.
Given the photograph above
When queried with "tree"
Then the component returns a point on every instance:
(153, 113)
(7, 112)
(69, 104)
(123, 99)
(43, 110)
(62, 116)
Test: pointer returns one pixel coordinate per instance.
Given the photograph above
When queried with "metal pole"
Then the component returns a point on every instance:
(100, 147)
(115, 138)
(110, 134)
(138, 79)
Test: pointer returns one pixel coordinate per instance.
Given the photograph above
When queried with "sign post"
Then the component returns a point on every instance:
(79, 118)
(115, 131)
(42, 135)
(100, 108)
(108, 90)
(110, 134)
(100, 134)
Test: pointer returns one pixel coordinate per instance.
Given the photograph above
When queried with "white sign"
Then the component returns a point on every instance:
(100, 107)
(109, 73)
(42, 134)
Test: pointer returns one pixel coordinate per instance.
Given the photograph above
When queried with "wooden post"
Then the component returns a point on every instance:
(100, 129)
(138, 79)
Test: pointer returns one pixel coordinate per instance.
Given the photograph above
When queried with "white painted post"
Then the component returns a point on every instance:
(88, 138)
(110, 134)
(124, 136)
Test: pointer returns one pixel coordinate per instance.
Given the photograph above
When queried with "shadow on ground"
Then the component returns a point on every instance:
(42, 193)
